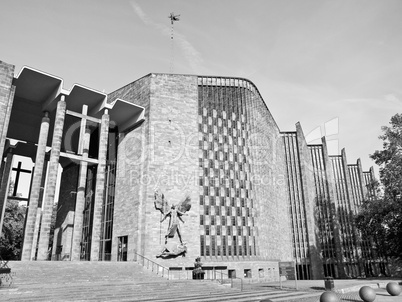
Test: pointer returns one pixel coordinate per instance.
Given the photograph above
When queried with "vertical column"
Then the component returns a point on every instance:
(352, 200)
(362, 187)
(309, 195)
(329, 173)
(364, 243)
(51, 180)
(28, 252)
(348, 182)
(100, 186)
(39, 211)
(375, 255)
(5, 120)
(4, 187)
(80, 197)
(7, 91)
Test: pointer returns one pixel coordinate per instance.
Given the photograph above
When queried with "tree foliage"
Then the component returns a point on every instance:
(13, 230)
(382, 217)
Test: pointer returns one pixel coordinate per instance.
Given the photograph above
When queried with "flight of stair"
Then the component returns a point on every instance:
(120, 281)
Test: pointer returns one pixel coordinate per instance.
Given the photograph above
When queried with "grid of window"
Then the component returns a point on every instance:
(323, 205)
(356, 188)
(296, 205)
(225, 165)
(107, 213)
(345, 212)
(88, 214)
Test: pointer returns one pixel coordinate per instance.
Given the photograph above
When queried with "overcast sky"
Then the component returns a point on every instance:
(335, 66)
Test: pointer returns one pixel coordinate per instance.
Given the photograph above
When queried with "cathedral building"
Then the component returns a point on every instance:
(174, 167)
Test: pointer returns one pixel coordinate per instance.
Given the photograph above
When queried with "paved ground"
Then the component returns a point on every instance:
(382, 296)
(346, 290)
(128, 281)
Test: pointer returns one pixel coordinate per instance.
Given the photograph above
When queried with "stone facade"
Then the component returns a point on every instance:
(155, 157)
(310, 198)
(259, 196)
(6, 101)
(164, 154)
(302, 204)
(131, 170)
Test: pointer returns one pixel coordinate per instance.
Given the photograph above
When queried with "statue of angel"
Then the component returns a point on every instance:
(174, 212)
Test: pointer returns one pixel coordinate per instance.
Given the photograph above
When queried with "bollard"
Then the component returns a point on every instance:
(367, 294)
(329, 283)
(329, 297)
(393, 289)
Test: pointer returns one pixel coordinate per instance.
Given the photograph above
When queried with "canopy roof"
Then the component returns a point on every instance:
(37, 92)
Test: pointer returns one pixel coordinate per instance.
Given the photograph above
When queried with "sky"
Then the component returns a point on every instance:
(333, 66)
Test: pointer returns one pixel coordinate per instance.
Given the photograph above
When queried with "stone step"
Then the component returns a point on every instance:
(120, 281)
(54, 272)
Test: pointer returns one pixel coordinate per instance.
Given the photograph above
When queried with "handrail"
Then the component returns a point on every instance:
(153, 264)
(231, 279)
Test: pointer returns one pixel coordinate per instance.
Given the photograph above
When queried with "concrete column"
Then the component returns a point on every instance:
(28, 252)
(51, 180)
(348, 182)
(39, 212)
(100, 186)
(5, 182)
(352, 205)
(329, 173)
(364, 243)
(309, 196)
(5, 113)
(362, 187)
(7, 91)
(80, 200)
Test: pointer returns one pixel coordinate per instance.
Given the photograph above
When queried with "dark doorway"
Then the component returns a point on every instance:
(122, 248)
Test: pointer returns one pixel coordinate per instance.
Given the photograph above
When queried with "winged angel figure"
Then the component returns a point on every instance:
(174, 212)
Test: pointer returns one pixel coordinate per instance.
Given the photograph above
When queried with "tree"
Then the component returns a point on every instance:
(381, 217)
(13, 231)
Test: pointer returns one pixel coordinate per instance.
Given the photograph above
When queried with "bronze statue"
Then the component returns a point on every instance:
(174, 212)
(171, 250)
